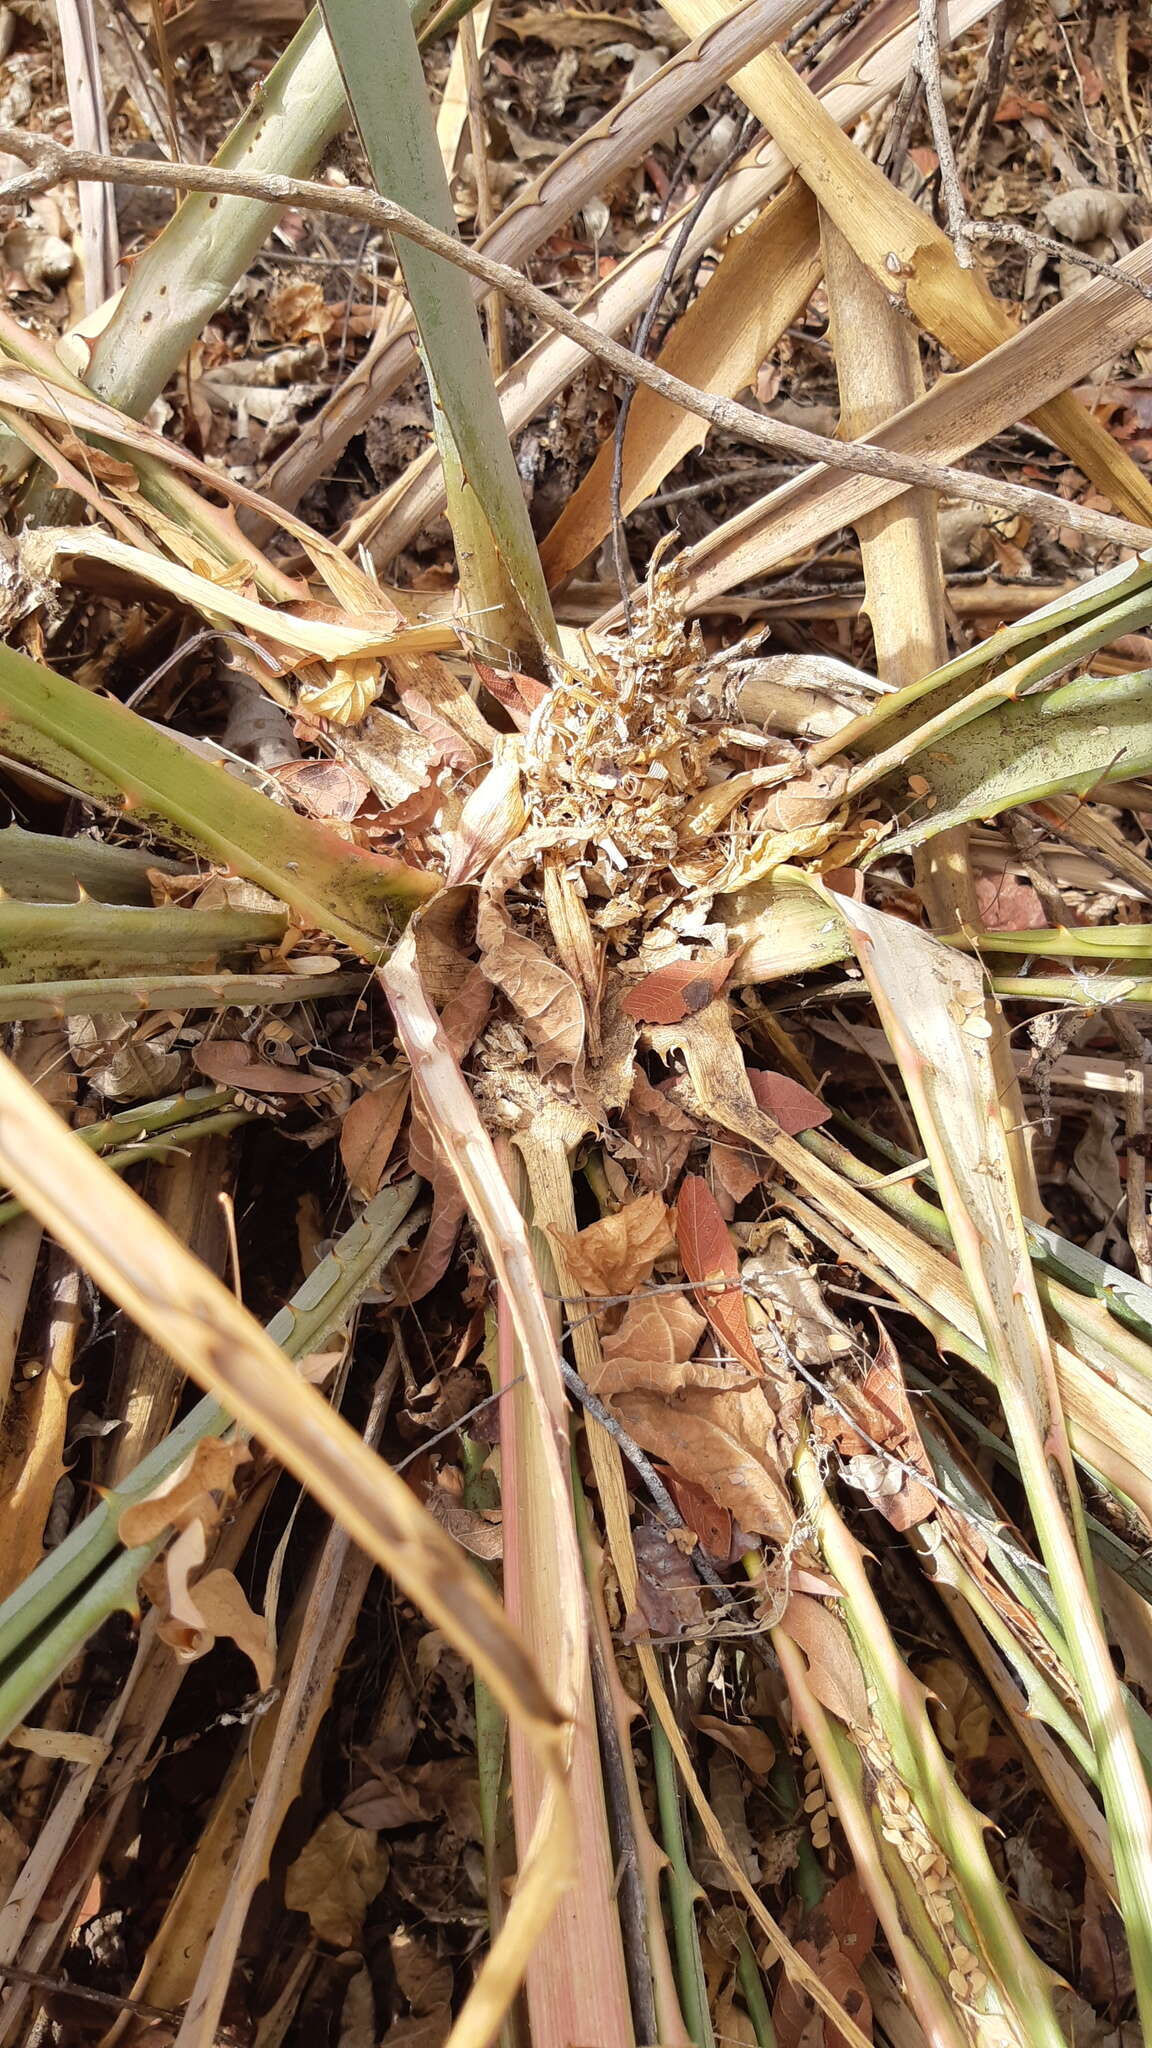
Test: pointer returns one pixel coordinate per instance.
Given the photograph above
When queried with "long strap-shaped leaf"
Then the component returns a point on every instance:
(931, 1001)
(182, 1306)
(378, 56)
(113, 756)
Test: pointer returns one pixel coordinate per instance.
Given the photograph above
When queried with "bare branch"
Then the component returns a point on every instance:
(928, 65)
(54, 164)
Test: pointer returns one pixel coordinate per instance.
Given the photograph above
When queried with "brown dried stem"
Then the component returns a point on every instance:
(54, 164)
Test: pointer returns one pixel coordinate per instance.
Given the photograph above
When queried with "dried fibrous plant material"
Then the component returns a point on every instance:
(678, 1092)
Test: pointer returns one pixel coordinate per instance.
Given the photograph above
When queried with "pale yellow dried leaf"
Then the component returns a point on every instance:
(493, 815)
(224, 1611)
(181, 1559)
(186, 1494)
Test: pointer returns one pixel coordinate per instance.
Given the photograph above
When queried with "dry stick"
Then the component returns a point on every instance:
(1027, 238)
(56, 164)
(990, 84)
(640, 340)
(840, 27)
(928, 66)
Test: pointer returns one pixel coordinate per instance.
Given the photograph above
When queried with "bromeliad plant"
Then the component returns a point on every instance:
(649, 851)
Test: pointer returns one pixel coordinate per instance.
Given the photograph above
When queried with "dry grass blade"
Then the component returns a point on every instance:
(727, 332)
(960, 412)
(934, 1015)
(905, 252)
(119, 1241)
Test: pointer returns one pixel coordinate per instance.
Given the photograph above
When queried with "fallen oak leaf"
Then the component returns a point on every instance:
(834, 1672)
(751, 1745)
(712, 1440)
(519, 694)
(370, 1129)
(657, 1336)
(659, 1133)
(224, 1610)
(711, 1524)
(335, 1878)
(187, 1495)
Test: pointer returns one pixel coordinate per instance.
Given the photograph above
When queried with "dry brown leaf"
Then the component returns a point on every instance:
(710, 1524)
(678, 989)
(669, 1600)
(335, 1878)
(960, 1712)
(787, 1102)
(658, 1131)
(187, 1495)
(476, 1530)
(1007, 905)
(1087, 211)
(733, 1170)
(709, 1258)
(224, 1611)
(837, 1937)
(424, 1977)
(1105, 1961)
(444, 1788)
(616, 1255)
(783, 1283)
(233, 1064)
(369, 1131)
(834, 1672)
(572, 29)
(751, 1745)
(710, 1438)
(656, 1338)
(329, 790)
(544, 996)
(493, 815)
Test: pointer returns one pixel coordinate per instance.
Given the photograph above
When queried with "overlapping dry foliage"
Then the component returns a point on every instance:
(575, 1314)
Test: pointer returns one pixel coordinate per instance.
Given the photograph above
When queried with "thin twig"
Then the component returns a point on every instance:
(986, 97)
(664, 1507)
(928, 66)
(55, 164)
(108, 2001)
(640, 340)
(840, 27)
(1027, 238)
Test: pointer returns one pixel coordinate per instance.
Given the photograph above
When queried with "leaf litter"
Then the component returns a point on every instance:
(848, 1469)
